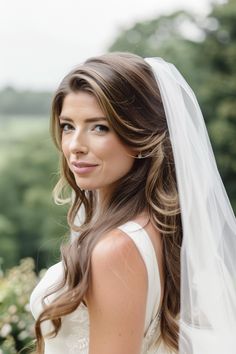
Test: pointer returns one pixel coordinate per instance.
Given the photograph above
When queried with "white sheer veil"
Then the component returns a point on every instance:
(208, 254)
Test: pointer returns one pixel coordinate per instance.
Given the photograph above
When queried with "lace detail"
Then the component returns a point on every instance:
(77, 342)
(77, 346)
(151, 335)
(74, 333)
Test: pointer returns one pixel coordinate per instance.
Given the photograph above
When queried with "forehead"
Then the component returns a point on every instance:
(80, 104)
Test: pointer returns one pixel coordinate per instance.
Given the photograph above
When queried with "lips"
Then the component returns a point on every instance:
(83, 168)
(82, 164)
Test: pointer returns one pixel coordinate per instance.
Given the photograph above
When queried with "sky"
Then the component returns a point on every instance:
(42, 40)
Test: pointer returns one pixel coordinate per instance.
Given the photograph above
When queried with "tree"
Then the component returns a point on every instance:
(30, 223)
(204, 50)
(24, 102)
(164, 37)
(218, 89)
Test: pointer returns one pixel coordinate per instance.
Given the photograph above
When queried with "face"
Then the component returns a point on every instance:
(94, 153)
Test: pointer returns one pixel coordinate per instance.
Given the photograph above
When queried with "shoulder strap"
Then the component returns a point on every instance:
(141, 239)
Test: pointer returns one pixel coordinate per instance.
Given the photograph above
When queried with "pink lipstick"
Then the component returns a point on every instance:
(83, 167)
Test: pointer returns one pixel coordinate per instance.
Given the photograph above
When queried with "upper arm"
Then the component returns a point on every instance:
(117, 296)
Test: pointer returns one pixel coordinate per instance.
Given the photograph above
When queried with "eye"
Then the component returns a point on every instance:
(65, 127)
(100, 128)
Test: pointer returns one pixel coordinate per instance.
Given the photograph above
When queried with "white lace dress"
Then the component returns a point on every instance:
(73, 337)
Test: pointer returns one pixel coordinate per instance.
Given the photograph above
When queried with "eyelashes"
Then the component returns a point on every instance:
(100, 128)
(64, 125)
(103, 128)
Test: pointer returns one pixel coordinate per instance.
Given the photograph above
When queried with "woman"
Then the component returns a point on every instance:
(135, 152)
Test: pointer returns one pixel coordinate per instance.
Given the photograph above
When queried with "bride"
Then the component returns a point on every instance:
(151, 268)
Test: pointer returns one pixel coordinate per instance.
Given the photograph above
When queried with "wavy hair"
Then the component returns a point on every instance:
(126, 90)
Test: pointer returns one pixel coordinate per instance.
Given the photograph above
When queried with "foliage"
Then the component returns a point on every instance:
(165, 37)
(218, 88)
(16, 321)
(15, 102)
(204, 50)
(30, 223)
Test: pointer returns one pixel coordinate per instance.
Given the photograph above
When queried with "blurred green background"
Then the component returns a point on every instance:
(204, 50)
(30, 224)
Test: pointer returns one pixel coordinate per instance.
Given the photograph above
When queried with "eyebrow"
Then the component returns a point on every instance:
(88, 120)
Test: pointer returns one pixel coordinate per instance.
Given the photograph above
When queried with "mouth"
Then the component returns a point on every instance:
(83, 167)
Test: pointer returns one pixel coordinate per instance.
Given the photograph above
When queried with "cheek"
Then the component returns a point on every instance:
(116, 154)
(64, 148)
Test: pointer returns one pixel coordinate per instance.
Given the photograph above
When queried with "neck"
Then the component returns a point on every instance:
(102, 202)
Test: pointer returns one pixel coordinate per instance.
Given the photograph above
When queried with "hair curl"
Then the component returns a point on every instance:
(126, 90)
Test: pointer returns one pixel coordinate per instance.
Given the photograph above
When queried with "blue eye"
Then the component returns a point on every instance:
(101, 128)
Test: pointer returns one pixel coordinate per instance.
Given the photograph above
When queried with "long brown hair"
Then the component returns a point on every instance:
(124, 85)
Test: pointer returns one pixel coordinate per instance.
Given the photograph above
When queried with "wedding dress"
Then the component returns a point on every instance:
(73, 337)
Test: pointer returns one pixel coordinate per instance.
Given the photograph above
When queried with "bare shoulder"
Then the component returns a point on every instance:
(116, 256)
(117, 295)
(116, 246)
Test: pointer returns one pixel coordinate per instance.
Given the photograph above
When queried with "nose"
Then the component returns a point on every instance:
(78, 144)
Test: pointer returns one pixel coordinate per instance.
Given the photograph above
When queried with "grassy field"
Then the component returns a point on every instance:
(17, 127)
(14, 129)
